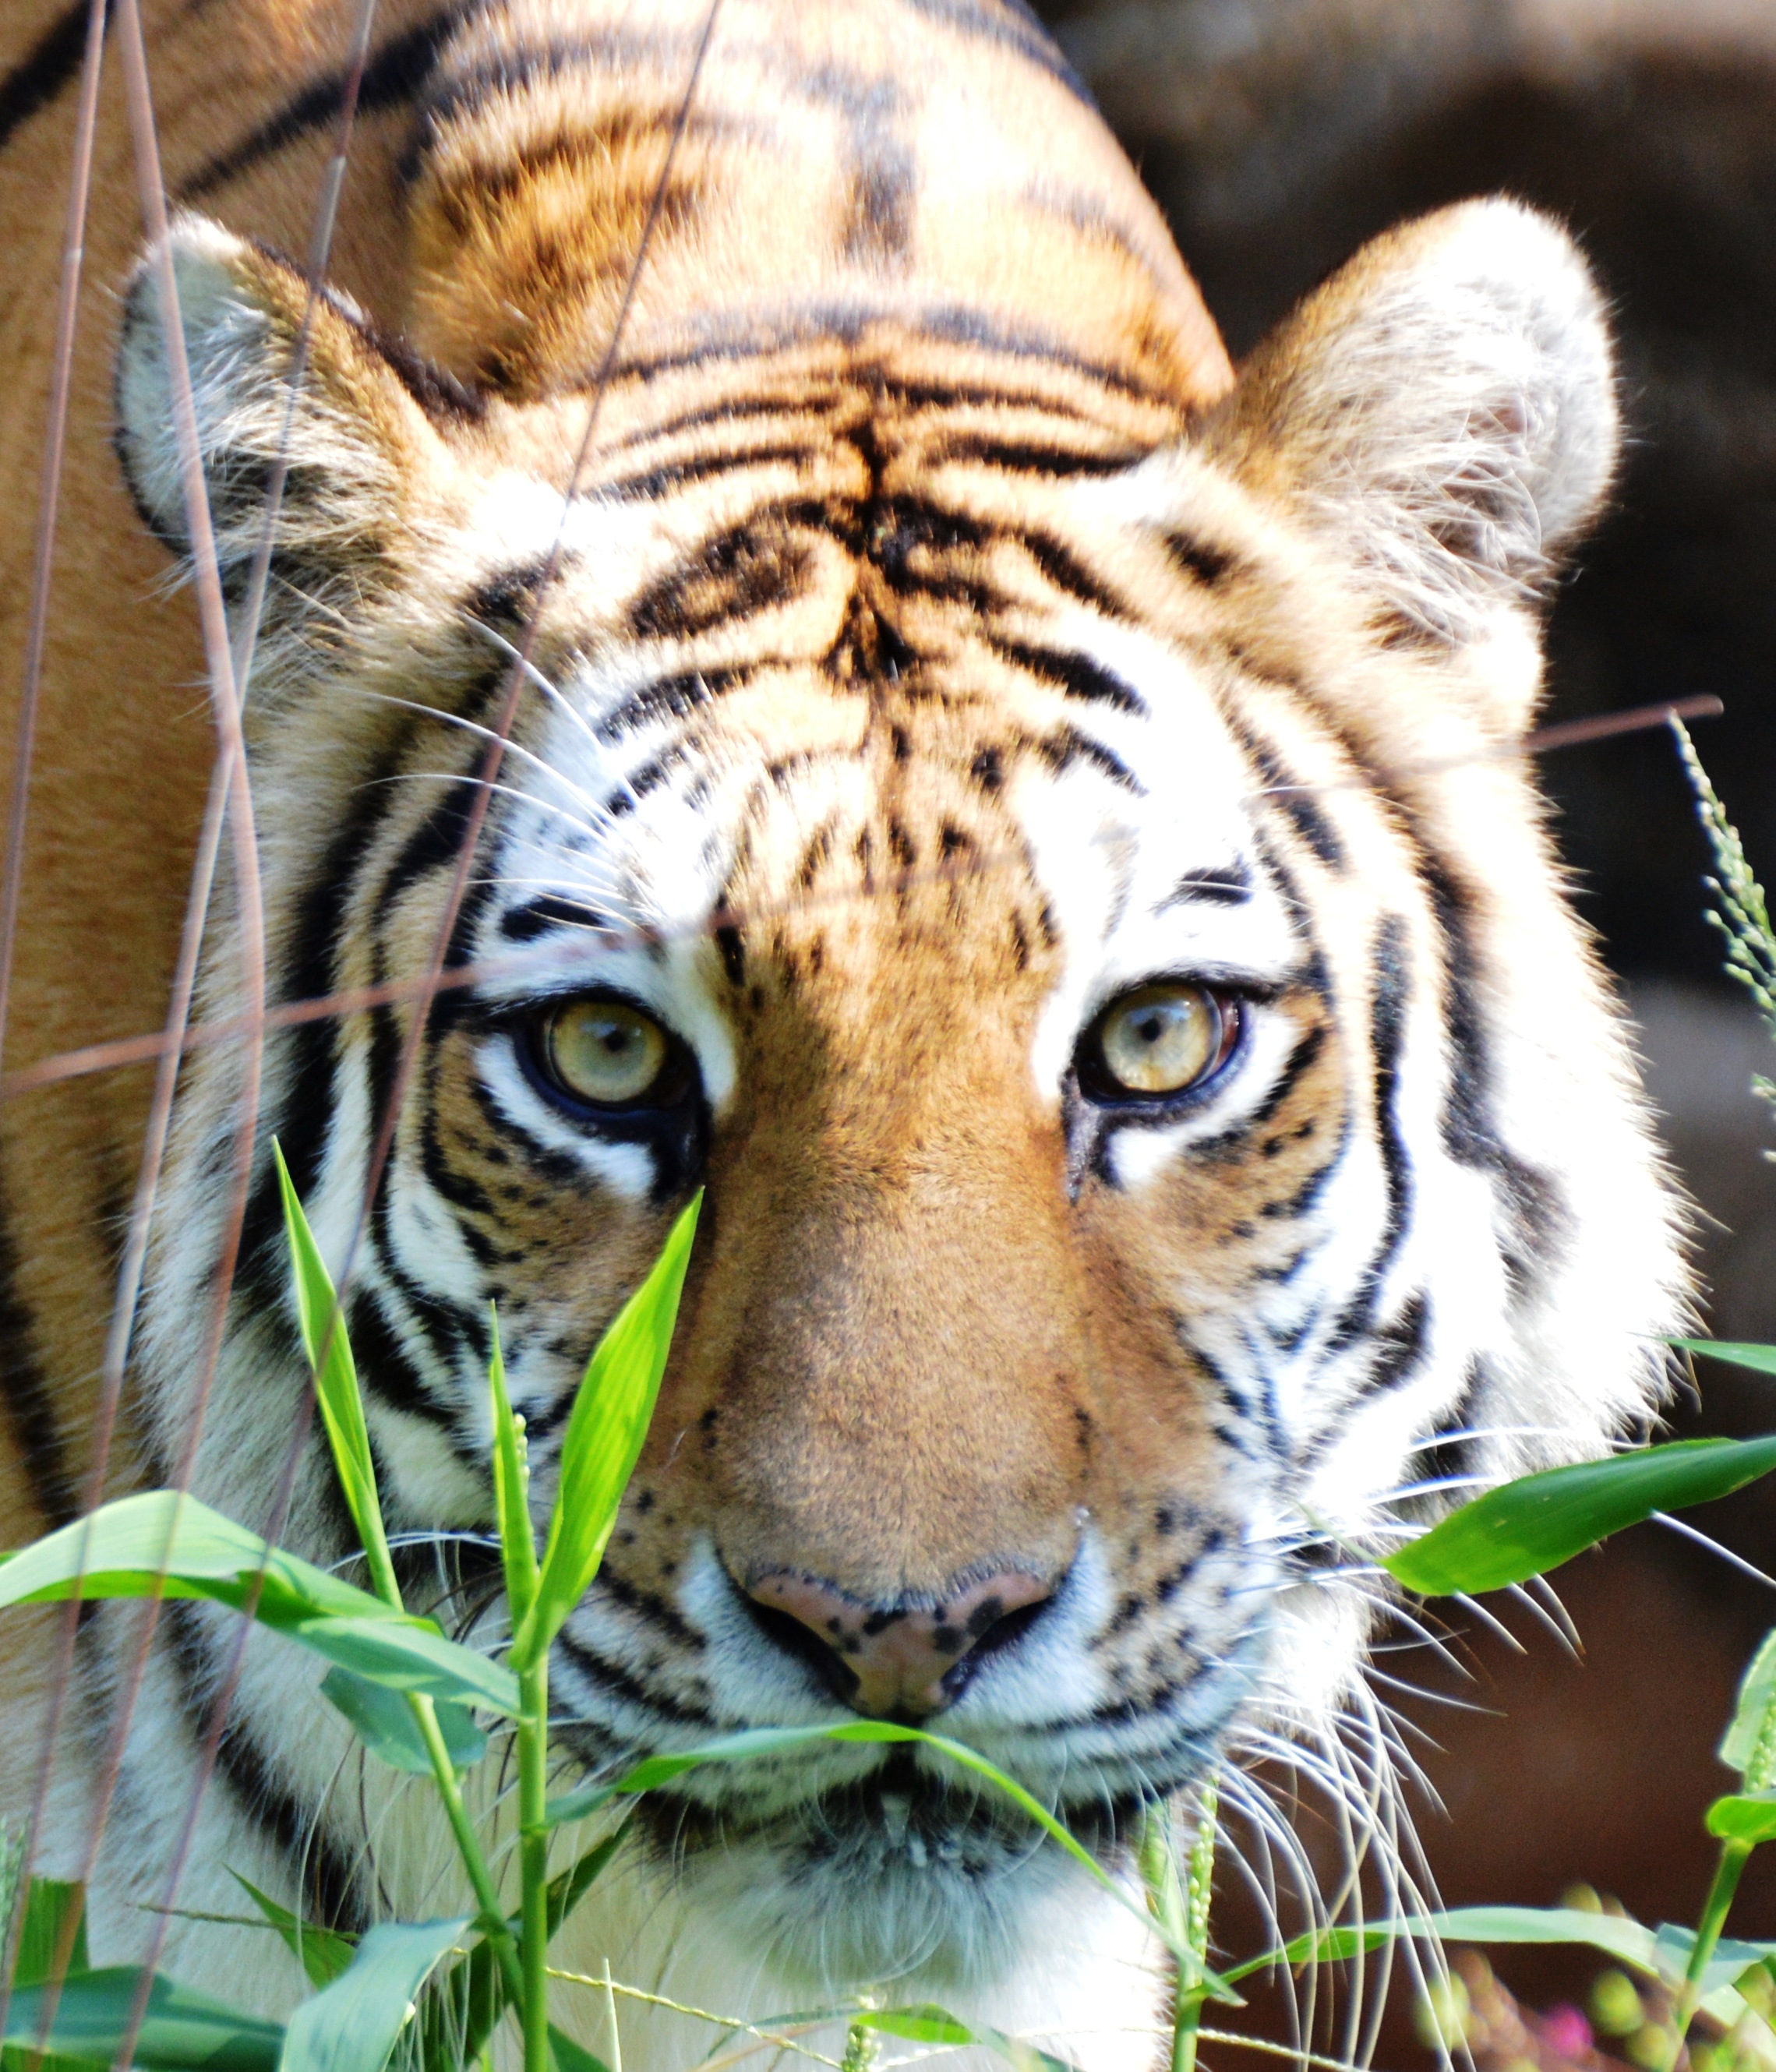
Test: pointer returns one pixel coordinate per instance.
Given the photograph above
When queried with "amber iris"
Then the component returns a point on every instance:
(605, 1053)
(1160, 1040)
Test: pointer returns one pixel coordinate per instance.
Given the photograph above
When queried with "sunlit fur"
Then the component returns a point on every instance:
(940, 642)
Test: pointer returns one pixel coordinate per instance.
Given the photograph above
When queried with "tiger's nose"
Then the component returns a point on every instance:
(884, 1659)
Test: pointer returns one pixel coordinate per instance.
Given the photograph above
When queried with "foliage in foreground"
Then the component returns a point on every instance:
(438, 1991)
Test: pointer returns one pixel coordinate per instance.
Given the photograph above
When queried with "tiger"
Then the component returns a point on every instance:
(779, 657)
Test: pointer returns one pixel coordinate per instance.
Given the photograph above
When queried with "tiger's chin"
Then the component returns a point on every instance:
(896, 1880)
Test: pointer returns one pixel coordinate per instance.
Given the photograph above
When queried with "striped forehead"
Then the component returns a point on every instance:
(620, 833)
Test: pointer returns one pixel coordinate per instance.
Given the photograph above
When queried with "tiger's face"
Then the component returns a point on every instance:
(1066, 919)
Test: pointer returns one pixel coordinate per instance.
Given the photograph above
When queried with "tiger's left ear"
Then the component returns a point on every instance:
(1442, 413)
(359, 437)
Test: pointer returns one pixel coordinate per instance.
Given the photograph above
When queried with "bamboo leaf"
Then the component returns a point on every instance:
(1761, 1358)
(383, 1721)
(1756, 1689)
(1539, 1521)
(510, 1488)
(1627, 1941)
(161, 1543)
(571, 2056)
(354, 2024)
(335, 1384)
(182, 2031)
(52, 1932)
(323, 1953)
(937, 2026)
(604, 1436)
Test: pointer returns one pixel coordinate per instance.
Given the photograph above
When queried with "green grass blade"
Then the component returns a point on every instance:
(604, 1436)
(336, 1385)
(184, 2030)
(511, 1489)
(51, 1931)
(355, 2024)
(1626, 1941)
(747, 1747)
(323, 1953)
(937, 2027)
(571, 2056)
(159, 1543)
(1535, 1523)
(383, 1721)
(1761, 1358)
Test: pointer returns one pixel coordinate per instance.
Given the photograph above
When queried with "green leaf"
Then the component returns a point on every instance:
(1761, 1358)
(336, 1385)
(510, 1488)
(1757, 1690)
(937, 2026)
(460, 2017)
(1538, 1522)
(323, 1953)
(571, 2057)
(162, 1543)
(655, 1771)
(52, 1932)
(183, 2030)
(1626, 1941)
(354, 2025)
(1748, 1817)
(604, 1438)
(1731, 1960)
(383, 1721)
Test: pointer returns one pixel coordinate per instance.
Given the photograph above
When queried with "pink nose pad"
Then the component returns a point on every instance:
(899, 1656)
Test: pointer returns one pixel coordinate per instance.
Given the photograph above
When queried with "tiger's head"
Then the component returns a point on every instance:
(1062, 887)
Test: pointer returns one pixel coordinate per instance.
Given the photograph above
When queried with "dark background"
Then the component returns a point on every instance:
(1278, 135)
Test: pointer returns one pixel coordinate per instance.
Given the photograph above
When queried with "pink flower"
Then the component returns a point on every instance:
(1566, 2032)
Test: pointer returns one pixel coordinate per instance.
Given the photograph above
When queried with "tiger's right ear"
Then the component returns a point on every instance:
(360, 439)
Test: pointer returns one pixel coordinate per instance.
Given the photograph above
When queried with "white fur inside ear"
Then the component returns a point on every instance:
(226, 336)
(238, 311)
(1443, 409)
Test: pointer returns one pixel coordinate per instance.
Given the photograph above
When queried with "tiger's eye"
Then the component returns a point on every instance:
(605, 1052)
(1161, 1039)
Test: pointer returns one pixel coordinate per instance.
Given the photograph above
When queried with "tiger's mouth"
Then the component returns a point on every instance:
(901, 1878)
(901, 1814)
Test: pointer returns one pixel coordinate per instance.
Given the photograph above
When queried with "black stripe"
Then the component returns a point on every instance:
(332, 1898)
(1284, 791)
(1537, 1206)
(1200, 560)
(388, 1371)
(1073, 675)
(319, 942)
(1066, 745)
(674, 697)
(700, 467)
(47, 69)
(1390, 982)
(24, 1388)
(536, 917)
(748, 336)
(1228, 886)
(1400, 1347)
(1026, 457)
(393, 75)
